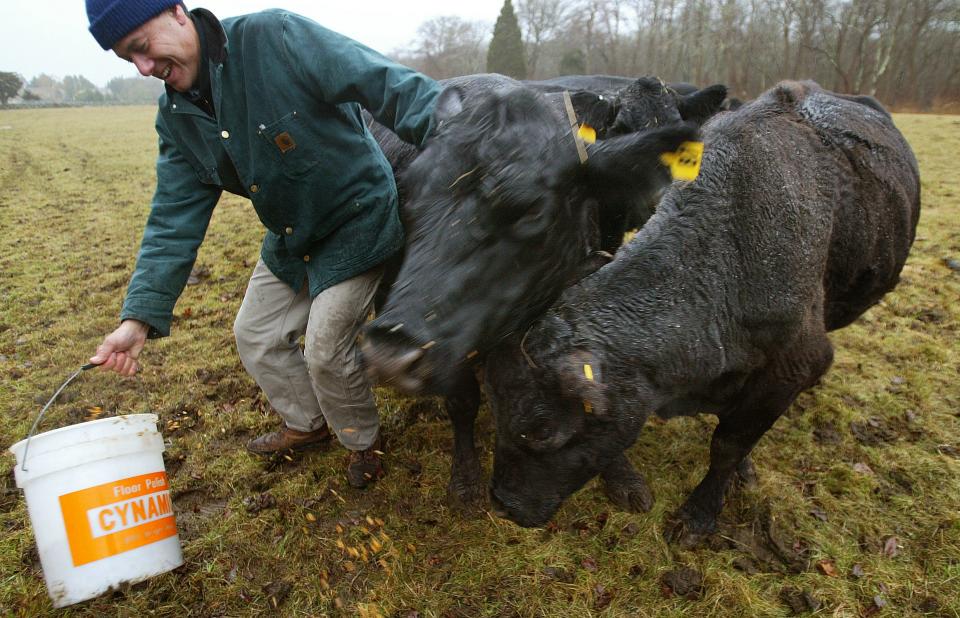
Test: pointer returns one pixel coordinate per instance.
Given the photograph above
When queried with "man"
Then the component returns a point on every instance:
(267, 106)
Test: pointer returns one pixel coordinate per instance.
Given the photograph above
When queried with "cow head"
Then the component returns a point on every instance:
(556, 425)
(648, 102)
(500, 215)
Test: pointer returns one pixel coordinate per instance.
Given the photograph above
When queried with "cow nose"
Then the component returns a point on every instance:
(390, 357)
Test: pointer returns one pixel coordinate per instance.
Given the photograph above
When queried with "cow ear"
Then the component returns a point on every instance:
(700, 105)
(633, 160)
(583, 379)
(449, 104)
(595, 110)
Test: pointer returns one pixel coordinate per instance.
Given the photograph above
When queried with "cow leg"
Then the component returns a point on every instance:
(746, 474)
(625, 487)
(768, 396)
(465, 487)
(732, 441)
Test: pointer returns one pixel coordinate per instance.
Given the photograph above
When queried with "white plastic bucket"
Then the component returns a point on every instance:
(100, 505)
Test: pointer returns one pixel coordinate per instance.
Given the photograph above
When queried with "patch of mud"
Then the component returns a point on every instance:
(683, 582)
(895, 482)
(949, 450)
(259, 502)
(799, 601)
(9, 494)
(874, 431)
(827, 433)
(932, 315)
(172, 462)
(194, 508)
(180, 419)
(30, 559)
(223, 385)
(765, 546)
(288, 459)
(558, 574)
(277, 592)
(930, 606)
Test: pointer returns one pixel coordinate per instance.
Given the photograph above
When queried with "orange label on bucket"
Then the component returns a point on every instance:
(115, 517)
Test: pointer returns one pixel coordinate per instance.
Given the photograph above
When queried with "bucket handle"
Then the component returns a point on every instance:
(33, 428)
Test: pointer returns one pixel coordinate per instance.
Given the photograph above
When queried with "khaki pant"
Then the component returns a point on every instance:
(325, 381)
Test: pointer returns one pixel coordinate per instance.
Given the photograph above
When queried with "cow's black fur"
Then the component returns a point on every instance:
(642, 102)
(500, 216)
(801, 219)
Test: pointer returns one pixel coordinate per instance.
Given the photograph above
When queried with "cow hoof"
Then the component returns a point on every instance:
(465, 496)
(688, 532)
(630, 494)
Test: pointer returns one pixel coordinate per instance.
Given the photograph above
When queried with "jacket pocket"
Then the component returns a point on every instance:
(291, 145)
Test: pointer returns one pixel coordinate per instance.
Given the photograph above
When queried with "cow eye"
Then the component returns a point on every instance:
(538, 433)
(536, 437)
(533, 221)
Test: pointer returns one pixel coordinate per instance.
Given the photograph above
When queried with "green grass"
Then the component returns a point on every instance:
(863, 451)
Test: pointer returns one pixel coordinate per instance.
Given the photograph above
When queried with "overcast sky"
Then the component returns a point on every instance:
(51, 36)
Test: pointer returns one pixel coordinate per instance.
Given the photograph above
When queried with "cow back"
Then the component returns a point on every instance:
(877, 205)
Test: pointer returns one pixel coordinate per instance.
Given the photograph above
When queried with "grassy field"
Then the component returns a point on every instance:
(857, 511)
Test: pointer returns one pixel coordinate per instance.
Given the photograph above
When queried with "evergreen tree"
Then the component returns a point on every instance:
(505, 54)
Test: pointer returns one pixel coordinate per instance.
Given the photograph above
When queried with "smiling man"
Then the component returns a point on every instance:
(267, 106)
(167, 47)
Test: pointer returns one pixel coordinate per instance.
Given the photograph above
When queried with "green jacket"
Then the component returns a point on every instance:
(287, 94)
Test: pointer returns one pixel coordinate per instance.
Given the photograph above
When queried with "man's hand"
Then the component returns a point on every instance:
(120, 349)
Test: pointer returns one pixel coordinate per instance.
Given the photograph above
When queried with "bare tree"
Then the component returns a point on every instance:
(541, 21)
(449, 46)
(904, 52)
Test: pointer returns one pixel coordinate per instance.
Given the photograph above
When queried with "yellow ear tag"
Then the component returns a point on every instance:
(588, 372)
(587, 133)
(685, 162)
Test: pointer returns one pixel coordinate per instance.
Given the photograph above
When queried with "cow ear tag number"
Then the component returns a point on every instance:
(684, 163)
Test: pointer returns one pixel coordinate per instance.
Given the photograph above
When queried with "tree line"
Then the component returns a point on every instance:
(77, 89)
(904, 52)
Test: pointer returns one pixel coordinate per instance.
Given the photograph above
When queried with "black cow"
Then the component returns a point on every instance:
(500, 216)
(612, 106)
(801, 219)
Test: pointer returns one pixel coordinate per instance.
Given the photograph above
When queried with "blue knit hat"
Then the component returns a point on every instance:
(111, 20)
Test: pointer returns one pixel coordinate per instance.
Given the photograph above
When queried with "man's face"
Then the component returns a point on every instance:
(166, 47)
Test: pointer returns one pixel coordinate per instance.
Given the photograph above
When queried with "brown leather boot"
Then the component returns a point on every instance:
(365, 467)
(288, 439)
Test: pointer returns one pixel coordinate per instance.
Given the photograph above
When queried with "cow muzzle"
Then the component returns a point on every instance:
(514, 509)
(393, 360)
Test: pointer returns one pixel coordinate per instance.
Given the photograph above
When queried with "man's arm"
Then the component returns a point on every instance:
(179, 215)
(343, 70)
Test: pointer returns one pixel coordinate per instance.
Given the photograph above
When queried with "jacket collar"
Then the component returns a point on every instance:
(216, 38)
